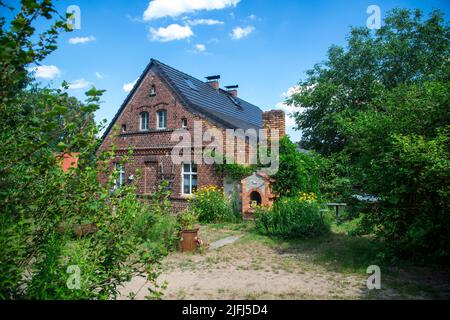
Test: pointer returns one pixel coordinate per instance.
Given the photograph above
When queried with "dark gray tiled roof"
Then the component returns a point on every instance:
(200, 97)
(232, 111)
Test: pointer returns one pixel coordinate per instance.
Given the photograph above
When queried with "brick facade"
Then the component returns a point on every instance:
(152, 149)
(275, 119)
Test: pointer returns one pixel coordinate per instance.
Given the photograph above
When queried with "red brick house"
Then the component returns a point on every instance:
(163, 101)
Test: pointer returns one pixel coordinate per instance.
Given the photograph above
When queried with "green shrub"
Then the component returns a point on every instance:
(212, 206)
(187, 220)
(163, 237)
(291, 218)
(157, 228)
(297, 171)
(52, 222)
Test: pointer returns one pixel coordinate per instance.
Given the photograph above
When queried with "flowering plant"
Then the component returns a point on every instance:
(211, 204)
(310, 197)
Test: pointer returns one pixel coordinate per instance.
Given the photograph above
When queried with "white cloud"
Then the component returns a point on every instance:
(206, 22)
(45, 72)
(172, 32)
(200, 47)
(127, 87)
(78, 40)
(174, 8)
(99, 75)
(289, 109)
(239, 33)
(291, 91)
(252, 17)
(79, 84)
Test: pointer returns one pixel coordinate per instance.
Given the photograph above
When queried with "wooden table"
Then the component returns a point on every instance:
(337, 205)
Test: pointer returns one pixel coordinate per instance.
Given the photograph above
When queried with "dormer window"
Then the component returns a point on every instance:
(144, 121)
(152, 91)
(162, 119)
(184, 123)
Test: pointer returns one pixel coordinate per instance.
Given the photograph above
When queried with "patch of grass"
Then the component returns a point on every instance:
(337, 252)
(251, 296)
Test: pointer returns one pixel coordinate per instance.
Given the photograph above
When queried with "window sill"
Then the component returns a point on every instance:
(131, 133)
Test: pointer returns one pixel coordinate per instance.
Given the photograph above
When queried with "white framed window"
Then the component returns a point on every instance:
(144, 121)
(162, 119)
(189, 178)
(184, 123)
(120, 181)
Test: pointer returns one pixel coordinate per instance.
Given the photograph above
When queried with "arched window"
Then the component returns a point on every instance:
(162, 119)
(144, 121)
(255, 199)
(184, 123)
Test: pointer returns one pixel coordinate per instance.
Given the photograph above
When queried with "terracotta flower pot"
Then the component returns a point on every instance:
(189, 240)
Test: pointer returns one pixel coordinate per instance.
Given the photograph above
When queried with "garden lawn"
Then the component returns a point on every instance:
(257, 267)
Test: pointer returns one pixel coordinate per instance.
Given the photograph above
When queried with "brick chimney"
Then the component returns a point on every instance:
(213, 81)
(275, 119)
(232, 90)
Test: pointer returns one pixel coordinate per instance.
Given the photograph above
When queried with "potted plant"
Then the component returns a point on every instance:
(188, 221)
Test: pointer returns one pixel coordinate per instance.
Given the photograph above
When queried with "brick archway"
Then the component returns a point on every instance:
(255, 196)
(259, 192)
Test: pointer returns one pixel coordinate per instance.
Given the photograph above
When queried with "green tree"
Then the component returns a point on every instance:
(379, 110)
(51, 220)
(406, 50)
(298, 172)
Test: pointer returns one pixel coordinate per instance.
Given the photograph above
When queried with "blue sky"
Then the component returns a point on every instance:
(264, 46)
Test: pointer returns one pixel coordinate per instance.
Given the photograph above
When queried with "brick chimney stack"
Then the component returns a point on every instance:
(232, 90)
(213, 81)
(275, 119)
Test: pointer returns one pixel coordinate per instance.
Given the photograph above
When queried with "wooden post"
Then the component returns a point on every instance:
(337, 214)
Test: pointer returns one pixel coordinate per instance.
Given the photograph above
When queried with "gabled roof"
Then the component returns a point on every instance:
(201, 98)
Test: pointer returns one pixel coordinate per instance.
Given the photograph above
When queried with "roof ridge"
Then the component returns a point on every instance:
(166, 65)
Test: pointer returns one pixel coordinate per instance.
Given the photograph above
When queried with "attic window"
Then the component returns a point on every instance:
(152, 91)
(236, 103)
(191, 85)
(124, 128)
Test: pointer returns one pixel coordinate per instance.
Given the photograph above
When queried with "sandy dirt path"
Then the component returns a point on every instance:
(251, 269)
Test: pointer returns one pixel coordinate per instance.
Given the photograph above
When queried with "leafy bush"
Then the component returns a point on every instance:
(212, 205)
(412, 182)
(157, 228)
(297, 171)
(292, 218)
(53, 223)
(187, 220)
(384, 123)
(162, 237)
